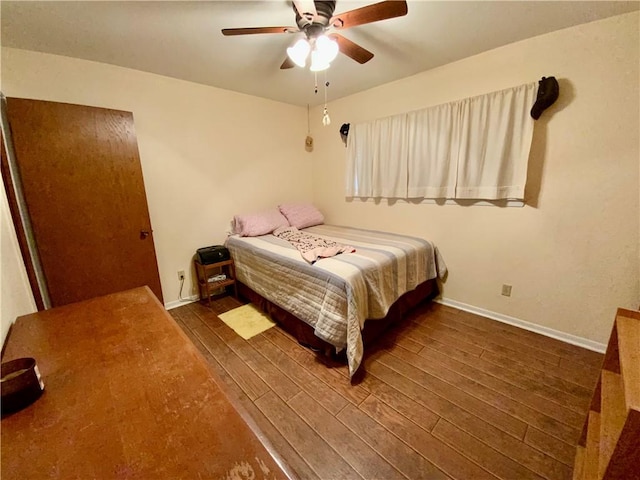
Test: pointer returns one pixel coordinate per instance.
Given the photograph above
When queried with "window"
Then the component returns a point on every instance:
(476, 148)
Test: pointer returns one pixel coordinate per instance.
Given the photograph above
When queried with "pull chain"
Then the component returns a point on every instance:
(308, 142)
(326, 120)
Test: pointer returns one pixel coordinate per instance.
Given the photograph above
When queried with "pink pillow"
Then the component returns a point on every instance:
(301, 215)
(262, 223)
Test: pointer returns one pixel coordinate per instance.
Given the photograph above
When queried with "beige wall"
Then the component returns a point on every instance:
(572, 254)
(206, 153)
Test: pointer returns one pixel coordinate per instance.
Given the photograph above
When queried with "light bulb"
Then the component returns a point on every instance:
(317, 62)
(299, 52)
(326, 120)
(327, 48)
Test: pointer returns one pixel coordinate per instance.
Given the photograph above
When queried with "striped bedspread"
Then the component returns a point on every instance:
(335, 295)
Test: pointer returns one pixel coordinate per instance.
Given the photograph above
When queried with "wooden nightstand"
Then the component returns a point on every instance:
(206, 273)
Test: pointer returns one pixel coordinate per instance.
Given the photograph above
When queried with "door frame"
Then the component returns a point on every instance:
(19, 213)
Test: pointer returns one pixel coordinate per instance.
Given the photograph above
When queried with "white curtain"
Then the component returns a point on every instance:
(495, 139)
(390, 157)
(477, 148)
(433, 152)
(377, 153)
(360, 160)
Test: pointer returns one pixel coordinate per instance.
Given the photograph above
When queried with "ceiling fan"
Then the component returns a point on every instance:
(316, 20)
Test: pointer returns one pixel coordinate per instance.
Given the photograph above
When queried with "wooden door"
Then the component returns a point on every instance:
(83, 187)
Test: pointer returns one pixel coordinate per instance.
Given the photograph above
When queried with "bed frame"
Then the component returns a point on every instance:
(303, 332)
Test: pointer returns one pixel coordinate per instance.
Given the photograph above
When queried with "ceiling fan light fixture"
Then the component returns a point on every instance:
(316, 17)
(299, 52)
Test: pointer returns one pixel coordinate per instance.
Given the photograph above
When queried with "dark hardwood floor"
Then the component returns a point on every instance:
(446, 394)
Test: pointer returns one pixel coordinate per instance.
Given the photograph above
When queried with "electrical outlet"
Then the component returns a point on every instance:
(180, 275)
(506, 290)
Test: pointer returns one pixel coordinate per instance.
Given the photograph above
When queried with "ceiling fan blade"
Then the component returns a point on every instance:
(351, 49)
(370, 13)
(288, 63)
(253, 30)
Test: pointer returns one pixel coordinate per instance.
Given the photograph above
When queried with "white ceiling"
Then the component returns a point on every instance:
(182, 39)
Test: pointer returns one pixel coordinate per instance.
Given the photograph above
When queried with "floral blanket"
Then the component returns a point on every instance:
(310, 246)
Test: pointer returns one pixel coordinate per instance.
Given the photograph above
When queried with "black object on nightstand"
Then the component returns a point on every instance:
(212, 254)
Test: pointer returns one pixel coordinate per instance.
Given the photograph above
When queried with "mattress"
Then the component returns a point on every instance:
(335, 295)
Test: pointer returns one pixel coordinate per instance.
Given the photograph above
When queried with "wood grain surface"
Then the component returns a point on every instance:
(127, 395)
(445, 394)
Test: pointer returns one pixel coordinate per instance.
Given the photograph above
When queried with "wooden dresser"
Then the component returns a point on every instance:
(609, 447)
(127, 395)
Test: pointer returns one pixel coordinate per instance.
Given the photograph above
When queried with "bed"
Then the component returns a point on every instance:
(334, 297)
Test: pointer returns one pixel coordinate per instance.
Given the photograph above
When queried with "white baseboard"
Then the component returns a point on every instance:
(532, 327)
(179, 303)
